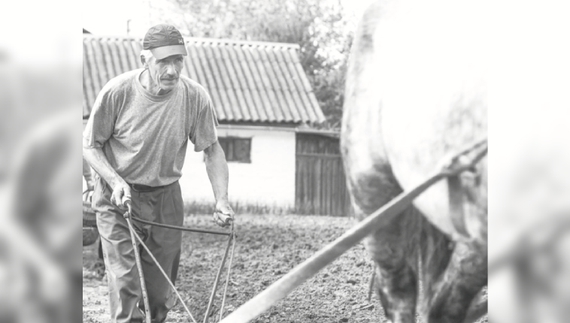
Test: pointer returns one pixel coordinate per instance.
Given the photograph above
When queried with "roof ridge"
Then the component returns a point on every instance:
(207, 40)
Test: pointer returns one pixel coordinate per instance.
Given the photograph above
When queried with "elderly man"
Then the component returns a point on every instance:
(136, 140)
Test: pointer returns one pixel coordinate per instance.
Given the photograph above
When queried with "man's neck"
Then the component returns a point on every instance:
(149, 85)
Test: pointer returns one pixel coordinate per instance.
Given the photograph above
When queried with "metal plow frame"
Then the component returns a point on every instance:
(134, 237)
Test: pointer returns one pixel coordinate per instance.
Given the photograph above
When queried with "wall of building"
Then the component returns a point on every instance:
(269, 180)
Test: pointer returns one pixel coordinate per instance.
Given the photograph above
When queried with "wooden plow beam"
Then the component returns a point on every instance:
(460, 162)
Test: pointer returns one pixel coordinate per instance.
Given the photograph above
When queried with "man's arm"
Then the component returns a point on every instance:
(217, 170)
(89, 180)
(98, 161)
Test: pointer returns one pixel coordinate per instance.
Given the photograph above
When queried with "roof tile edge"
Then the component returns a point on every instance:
(204, 40)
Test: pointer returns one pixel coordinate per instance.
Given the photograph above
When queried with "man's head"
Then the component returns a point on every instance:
(163, 55)
(164, 41)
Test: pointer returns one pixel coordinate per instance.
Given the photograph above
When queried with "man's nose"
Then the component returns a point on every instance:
(171, 70)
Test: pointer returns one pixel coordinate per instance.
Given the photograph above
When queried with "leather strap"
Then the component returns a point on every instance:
(456, 204)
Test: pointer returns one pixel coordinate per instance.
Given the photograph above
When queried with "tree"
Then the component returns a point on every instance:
(317, 26)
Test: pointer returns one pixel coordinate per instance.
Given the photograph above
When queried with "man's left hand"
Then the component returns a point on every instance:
(224, 214)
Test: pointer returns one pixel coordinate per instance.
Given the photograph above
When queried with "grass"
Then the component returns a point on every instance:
(204, 207)
(199, 207)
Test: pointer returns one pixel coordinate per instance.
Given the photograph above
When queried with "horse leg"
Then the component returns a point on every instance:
(435, 250)
(396, 281)
(477, 309)
(395, 278)
(463, 279)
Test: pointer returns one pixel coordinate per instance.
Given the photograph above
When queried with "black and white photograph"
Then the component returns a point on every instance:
(363, 161)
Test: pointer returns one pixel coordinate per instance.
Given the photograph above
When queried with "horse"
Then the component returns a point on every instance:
(416, 93)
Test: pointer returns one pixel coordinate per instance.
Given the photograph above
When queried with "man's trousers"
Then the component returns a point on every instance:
(163, 205)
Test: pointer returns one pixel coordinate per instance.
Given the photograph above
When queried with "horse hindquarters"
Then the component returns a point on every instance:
(369, 176)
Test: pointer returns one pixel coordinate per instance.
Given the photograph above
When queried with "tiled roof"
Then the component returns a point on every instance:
(248, 81)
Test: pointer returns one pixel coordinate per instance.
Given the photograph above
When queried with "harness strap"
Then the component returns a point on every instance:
(460, 189)
(456, 200)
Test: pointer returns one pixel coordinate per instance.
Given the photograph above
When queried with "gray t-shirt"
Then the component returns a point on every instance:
(144, 136)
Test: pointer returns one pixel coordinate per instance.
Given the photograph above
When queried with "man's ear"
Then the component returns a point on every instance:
(143, 61)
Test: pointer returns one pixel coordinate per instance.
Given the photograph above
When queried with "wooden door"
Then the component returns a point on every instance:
(320, 184)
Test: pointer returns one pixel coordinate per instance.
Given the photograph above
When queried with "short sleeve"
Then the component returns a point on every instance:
(101, 122)
(204, 133)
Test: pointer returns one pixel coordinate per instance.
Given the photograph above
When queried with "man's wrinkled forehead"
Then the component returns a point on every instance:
(171, 57)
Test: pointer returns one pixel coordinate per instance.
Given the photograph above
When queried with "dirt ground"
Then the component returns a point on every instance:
(267, 248)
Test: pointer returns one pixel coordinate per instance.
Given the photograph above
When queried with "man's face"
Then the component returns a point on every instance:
(165, 73)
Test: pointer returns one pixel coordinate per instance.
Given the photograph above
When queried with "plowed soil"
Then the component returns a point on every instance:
(268, 246)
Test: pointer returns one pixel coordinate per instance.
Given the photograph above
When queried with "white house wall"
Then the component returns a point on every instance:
(269, 180)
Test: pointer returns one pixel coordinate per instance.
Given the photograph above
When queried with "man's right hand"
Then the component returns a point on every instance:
(98, 161)
(121, 193)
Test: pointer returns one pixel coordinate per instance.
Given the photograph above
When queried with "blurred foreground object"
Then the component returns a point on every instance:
(41, 226)
(529, 228)
(40, 179)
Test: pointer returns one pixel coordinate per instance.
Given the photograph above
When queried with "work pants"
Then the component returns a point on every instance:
(163, 205)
